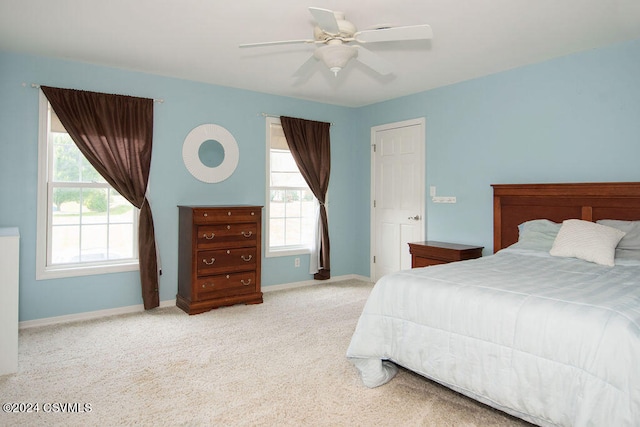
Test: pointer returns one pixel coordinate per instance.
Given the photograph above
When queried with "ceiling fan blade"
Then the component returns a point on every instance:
(276, 43)
(307, 68)
(325, 19)
(412, 32)
(373, 61)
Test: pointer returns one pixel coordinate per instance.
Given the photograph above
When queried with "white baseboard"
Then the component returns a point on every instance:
(89, 315)
(168, 303)
(313, 282)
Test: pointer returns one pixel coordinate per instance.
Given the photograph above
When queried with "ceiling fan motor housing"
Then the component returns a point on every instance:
(346, 29)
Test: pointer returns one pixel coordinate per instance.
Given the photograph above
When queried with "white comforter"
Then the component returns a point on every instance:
(555, 341)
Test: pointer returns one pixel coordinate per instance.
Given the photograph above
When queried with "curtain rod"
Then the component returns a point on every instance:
(37, 86)
(277, 117)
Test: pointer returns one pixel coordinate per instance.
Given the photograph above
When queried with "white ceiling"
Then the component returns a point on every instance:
(198, 39)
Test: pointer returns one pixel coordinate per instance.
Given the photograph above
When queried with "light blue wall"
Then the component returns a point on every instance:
(186, 105)
(570, 119)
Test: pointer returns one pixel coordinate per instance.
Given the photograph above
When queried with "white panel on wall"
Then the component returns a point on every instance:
(9, 262)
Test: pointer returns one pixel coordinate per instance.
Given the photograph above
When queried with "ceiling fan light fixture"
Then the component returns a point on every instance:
(335, 56)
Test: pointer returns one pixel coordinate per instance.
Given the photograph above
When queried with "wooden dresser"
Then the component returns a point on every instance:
(219, 255)
(431, 252)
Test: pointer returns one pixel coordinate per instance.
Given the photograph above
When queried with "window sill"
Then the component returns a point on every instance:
(88, 270)
(286, 252)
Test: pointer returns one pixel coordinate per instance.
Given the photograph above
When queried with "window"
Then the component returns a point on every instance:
(84, 225)
(291, 208)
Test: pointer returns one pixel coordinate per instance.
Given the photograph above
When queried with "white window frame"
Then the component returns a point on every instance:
(43, 270)
(284, 250)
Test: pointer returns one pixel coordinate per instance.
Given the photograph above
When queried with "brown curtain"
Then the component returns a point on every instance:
(115, 133)
(309, 142)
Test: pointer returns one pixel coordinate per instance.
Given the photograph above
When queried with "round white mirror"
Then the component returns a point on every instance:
(210, 153)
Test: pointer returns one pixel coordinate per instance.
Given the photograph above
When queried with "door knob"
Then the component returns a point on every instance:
(417, 217)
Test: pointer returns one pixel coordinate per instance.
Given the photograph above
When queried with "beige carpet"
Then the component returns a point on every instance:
(278, 363)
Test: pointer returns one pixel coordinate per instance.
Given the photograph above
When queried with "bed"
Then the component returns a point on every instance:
(546, 329)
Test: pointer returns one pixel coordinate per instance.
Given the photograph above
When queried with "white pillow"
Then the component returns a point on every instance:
(629, 246)
(587, 241)
(537, 234)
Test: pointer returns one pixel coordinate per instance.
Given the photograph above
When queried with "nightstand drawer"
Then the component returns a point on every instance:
(428, 253)
(419, 261)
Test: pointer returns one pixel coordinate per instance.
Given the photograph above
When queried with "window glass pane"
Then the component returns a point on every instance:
(287, 179)
(65, 244)
(308, 204)
(308, 196)
(284, 171)
(292, 201)
(94, 206)
(121, 244)
(276, 231)
(120, 210)
(282, 160)
(276, 207)
(66, 206)
(293, 231)
(94, 243)
(65, 158)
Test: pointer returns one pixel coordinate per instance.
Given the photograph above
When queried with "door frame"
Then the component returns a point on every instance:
(420, 121)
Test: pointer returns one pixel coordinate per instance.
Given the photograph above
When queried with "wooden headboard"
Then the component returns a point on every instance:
(514, 204)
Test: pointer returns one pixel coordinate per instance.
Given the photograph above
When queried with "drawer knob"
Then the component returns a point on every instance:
(205, 214)
(229, 213)
(204, 285)
(247, 282)
(209, 237)
(209, 263)
(249, 234)
(245, 258)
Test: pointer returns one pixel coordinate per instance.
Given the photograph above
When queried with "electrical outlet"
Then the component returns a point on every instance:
(444, 199)
(296, 262)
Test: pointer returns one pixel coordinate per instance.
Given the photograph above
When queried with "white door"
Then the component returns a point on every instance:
(397, 179)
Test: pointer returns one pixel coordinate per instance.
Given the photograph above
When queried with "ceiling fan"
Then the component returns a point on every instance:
(340, 42)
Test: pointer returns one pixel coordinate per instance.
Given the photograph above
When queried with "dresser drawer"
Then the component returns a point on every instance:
(210, 215)
(215, 286)
(227, 235)
(225, 260)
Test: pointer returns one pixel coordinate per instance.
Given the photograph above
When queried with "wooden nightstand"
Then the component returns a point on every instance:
(432, 253)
